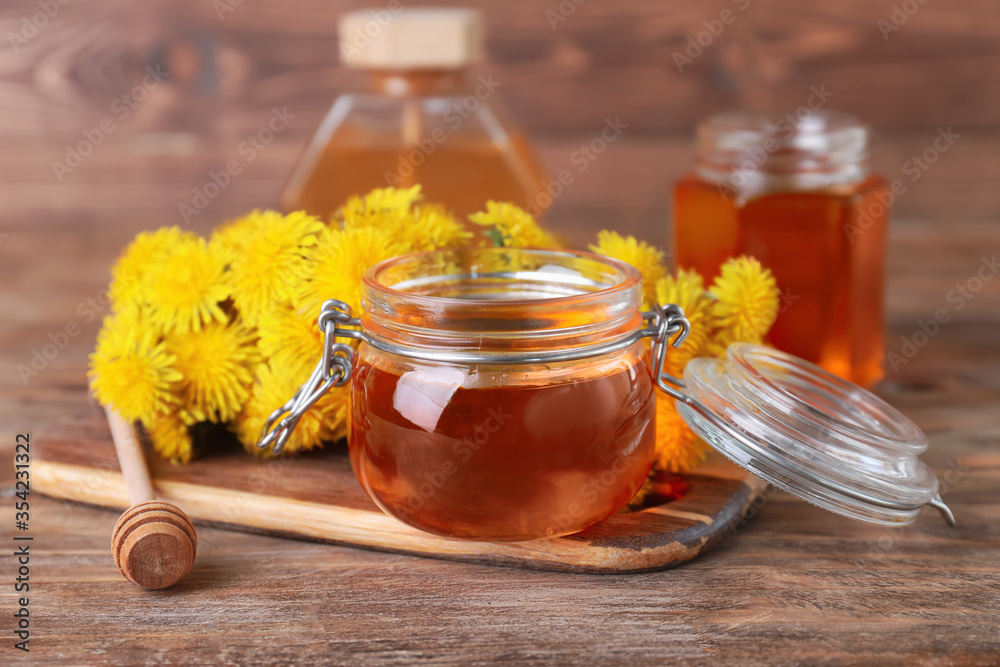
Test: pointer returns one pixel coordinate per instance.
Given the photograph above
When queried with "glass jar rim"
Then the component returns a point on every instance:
(630, 275)
(501, 298)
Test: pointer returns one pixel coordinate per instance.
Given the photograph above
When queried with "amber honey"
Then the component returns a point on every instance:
(460, 172)
(509, 462)
(811, 213)
(499, 393)
(832, 288)
(422, 117)
(427, 128)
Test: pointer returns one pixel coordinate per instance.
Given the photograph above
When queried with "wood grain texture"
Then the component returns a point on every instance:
(604, 59)
(793, 586)
(153, 544)
(120, 190)
(317, 497)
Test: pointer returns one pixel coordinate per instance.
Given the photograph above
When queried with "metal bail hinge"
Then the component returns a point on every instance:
(333, 370)
(946, 512)
(662, 323)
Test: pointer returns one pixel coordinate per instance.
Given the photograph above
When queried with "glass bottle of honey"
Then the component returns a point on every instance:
(425, 119)
(797, 194)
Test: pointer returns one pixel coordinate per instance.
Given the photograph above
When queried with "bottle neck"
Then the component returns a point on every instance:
(418, 82)
(754, 153)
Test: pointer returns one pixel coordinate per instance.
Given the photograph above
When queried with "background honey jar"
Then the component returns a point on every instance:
(422, 117)
(797, 193)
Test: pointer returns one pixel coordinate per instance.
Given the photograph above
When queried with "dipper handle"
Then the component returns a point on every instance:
(153, 543)
(130, 459)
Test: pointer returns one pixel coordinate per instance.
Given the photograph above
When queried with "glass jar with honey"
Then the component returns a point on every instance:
(498, 393)
(424, 118)
(796, 193)
(506, 394)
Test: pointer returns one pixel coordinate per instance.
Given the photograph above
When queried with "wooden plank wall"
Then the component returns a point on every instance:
(232, 61)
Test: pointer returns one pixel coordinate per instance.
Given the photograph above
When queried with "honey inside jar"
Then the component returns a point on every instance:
(832, 288)
(502, 460)
(497, 451)
(799, 197)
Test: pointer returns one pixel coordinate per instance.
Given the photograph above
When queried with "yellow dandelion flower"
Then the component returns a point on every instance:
(289, 339)
(341, 258)
(171, 437)
(381, 200)
(326, 421)
(687, 290)
(269, 256)
(746, 300)
(639, 254)
(230, 237)
(678, 449)
(131, 369)
(186, 286)
(217, 363)
(419, 227)
(513, 227)
(129, 275)
(435, 228)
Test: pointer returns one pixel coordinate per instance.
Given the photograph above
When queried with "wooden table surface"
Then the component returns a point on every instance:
(794, 585)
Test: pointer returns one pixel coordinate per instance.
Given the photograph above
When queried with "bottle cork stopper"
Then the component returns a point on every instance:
(410, 38)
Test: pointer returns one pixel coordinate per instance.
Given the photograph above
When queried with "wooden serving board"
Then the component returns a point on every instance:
(316, 497)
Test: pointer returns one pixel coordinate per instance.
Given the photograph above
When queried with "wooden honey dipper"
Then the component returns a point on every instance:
(154, 543)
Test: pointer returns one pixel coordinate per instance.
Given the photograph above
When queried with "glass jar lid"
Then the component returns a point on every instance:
(810, 433)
